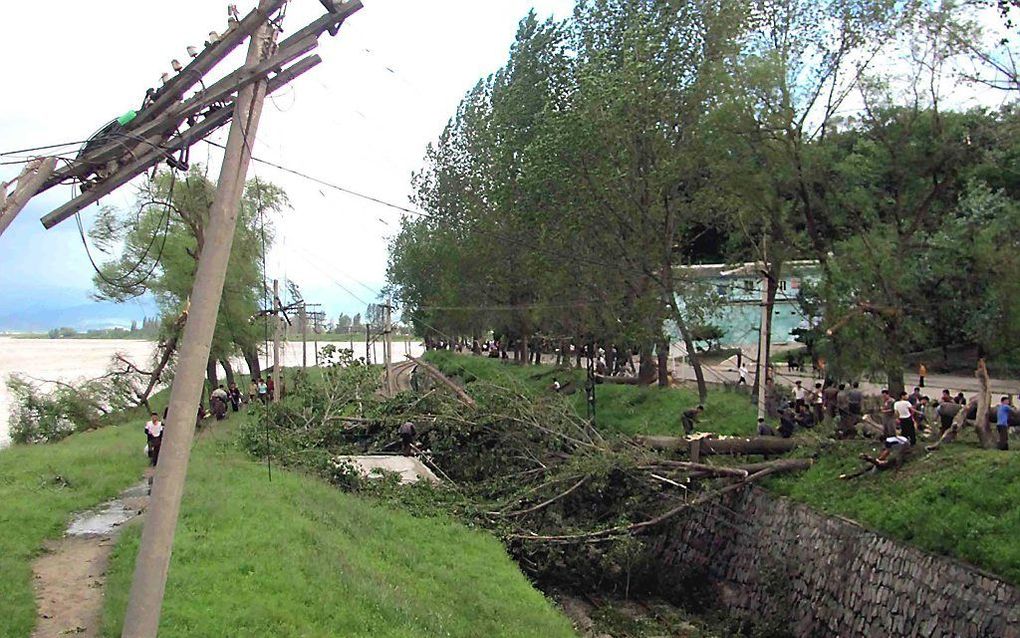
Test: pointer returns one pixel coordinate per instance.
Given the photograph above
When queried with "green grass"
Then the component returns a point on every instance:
(40, 487)
(960, 501)
(297, 557)
(623, 408)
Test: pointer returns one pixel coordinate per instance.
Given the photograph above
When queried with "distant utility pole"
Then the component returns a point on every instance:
(304, 337)
(277, 339)
(368, 344)
(388, 346)
(315, 335)
(147, 588)
(27, 185)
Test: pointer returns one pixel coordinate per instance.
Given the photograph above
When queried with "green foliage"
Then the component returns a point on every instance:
(625, 409)
(41, 486)
(135, 239)
(294, 557)
(44, 416)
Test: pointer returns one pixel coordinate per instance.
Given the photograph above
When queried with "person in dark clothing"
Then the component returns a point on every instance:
(764, 429)
(407, 434)
(787, 423)
(829, 395)
(690, 417)
(234, 393)
(947, 411)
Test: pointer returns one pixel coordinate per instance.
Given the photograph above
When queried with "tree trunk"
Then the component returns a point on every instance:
(752, 445)
(894, 376)
(692, 355)
(981, 426)
(210, 372)
(646, 368)
(251, 357)
(662, 351)
(228, 371)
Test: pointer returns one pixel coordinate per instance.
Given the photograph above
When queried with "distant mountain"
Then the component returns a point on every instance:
(39, 309)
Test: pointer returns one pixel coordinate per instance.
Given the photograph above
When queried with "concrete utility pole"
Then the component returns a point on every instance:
(304, 337)
(315, 336)
(388, 346)
(27, 185)
(277, 338)
(149, 584)
(763, 355)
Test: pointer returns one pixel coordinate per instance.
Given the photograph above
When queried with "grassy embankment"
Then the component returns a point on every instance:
(625, 408)
(40, 487)
(960, 501)
(297, 557)
(294, 557)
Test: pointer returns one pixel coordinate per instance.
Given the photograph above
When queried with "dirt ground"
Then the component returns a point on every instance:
(70, 577)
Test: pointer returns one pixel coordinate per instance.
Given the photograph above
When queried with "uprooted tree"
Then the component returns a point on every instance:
(575, 506)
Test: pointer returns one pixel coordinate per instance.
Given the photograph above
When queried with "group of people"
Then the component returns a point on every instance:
(221, 400)
(902, 416)
(261, 390)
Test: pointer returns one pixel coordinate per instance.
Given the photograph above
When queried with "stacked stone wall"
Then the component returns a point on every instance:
(771, 559)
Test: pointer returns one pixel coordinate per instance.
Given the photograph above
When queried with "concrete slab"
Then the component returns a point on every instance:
(410, 469)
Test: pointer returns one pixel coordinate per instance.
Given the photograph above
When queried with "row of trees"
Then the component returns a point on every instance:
(636, 137)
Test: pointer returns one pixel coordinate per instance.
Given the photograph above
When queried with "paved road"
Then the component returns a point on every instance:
(934, 384)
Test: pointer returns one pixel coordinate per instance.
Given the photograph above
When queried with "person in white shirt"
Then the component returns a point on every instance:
(904, 412)
(742, 370)
(799, 394)
(154, 436)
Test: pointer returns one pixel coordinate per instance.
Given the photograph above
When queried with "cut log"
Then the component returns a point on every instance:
(752, 445)
(442, 378)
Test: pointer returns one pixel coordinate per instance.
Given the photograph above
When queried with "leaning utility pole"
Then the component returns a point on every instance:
(167, 123)
(149, 583)
(277, 338)
(27, 185)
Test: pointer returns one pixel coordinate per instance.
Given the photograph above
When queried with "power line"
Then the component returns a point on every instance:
(330, 185)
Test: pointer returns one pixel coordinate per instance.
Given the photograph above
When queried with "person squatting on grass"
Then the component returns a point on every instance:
(154, 437)
(690, 417)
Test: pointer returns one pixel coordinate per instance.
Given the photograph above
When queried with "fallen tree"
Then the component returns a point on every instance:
(731, 445)
(574, 506)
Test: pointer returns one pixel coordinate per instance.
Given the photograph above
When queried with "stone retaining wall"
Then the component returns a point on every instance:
(771, 558)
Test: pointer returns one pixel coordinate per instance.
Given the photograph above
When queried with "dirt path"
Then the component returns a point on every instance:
(71, 575)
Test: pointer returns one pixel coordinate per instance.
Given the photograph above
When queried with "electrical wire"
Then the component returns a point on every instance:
(117, 282)
(40, 148)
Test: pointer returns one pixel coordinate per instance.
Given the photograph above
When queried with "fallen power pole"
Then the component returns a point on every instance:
(27, 185)
(169, 123)
(166, 124)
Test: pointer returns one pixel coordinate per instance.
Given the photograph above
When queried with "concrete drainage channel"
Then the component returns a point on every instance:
(71, 575)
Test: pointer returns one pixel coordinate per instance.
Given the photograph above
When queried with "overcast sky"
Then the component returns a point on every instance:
(362, 119)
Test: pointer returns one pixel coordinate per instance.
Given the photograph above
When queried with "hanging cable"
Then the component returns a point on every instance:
(164, 224)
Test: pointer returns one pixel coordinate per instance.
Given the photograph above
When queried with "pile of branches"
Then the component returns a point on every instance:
(571, 503)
